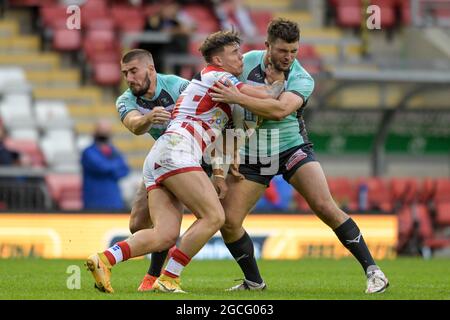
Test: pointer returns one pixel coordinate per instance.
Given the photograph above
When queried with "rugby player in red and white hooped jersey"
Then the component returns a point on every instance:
(173, 175)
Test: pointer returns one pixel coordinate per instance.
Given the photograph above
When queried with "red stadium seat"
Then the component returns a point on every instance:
(310, 59)
(427, 190)
(423, 217)
(71, 200)
(443, 214)
(100, 36)
(28, 149)
(66, 40)
(87, 16)
(405, 11)
(128, 19)
(387, 12)
(204, 17)
(112, 55)
(405, 226)
(261, 19)
(65, 190)
(53, 16)
(99, 42)
(343, 193)
(135, 24)
(442, 191)
(307, 51)
(193, 48)
(349, 13)
(379, 195)
(31, 3)
(95, 5)
(104, 23)
(426, 231)
(151, 9)
(120, 12)
(404, 191)
(253, 46)
(107, 73)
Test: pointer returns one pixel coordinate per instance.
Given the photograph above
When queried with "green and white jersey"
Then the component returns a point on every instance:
(168, 89)
(274, 137)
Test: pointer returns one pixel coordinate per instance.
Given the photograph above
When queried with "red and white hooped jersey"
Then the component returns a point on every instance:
(196, 114)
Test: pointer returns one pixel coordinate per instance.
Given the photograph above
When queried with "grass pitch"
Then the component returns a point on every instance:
(309, 279)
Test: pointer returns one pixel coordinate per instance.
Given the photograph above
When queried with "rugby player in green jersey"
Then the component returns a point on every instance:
(145, 107)
(282, 147)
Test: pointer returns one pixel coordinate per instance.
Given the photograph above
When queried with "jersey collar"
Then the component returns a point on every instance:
(210, 68)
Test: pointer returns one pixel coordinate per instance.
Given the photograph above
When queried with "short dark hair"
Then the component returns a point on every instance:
(216, 42)
(137, 54)
(283, 29)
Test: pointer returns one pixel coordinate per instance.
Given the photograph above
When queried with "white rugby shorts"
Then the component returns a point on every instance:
(172, 153)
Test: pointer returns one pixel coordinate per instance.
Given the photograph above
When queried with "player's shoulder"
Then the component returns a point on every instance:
(173, 82)
(213, 73)
(297, 70)
(126, 97)
(171, 78)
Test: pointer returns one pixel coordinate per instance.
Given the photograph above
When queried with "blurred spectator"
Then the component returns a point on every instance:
(172, 20)
(233, 15)
(277, 197)
(7, 157)
(103, 167)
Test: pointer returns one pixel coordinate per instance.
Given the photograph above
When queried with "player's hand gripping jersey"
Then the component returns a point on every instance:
(197, 122)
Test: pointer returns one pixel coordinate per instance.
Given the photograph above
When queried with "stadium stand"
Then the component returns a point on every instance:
(52, 114)
(443, 214)
(350, 13)
(403, 191)
(65, 190)
(66, 40)
(29, 150)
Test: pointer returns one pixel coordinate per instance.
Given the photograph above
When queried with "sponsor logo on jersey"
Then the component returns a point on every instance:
(122, 108)
(295, 158)
(224, 80)
(165, 101)
(183, 87)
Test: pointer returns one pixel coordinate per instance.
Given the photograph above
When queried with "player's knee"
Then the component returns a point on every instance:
(231, 225)
(217, 220)
(220, 221)
(324, 207)
(167, 241)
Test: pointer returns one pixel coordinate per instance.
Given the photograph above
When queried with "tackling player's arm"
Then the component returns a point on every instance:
(268, 107)
(139, 123)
